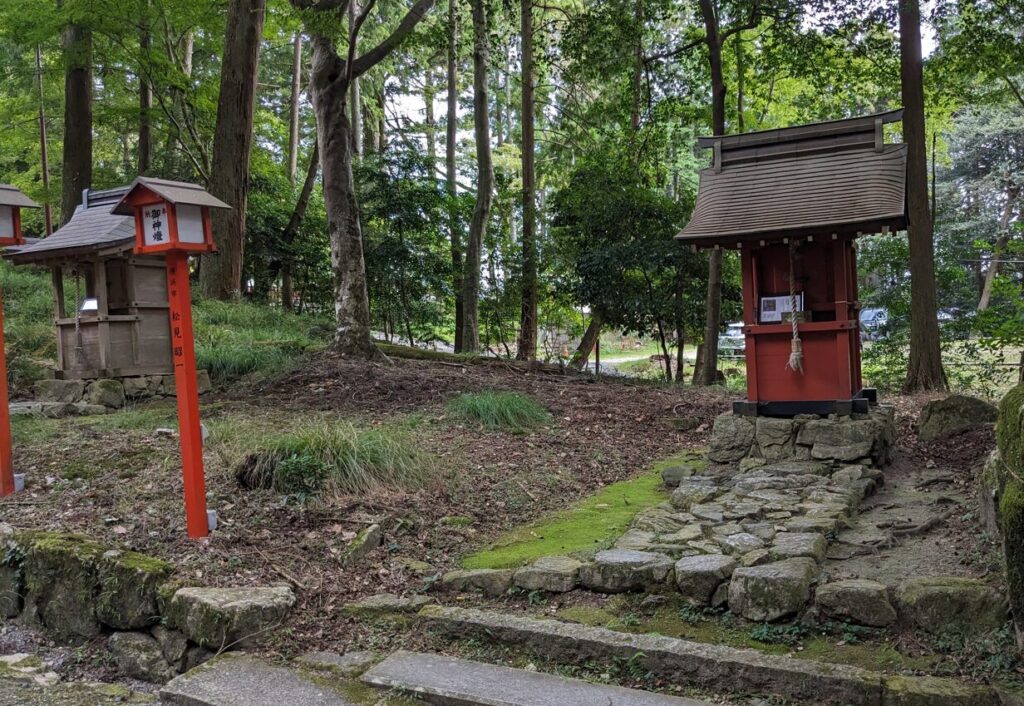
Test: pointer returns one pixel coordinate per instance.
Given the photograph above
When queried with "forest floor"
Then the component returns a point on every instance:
(118, 480)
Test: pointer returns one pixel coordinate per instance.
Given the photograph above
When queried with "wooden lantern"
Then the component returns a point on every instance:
(793, 201)
(173, 218)
(170, 216)
(11, 203)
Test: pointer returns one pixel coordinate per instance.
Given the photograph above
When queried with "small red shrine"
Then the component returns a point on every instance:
(792, 201)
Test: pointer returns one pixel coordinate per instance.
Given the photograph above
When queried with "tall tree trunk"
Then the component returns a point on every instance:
(485, 179)
(924, 371)
(429, 123)
(145, 93)
(454, 227)
(638, 66)
(44, 150)
(77, 169)
(294, 113)
(740, 68)
(526, 347)
(708, 372)
(221, 274)
(330, 93)
(292, 229)
(355, 99)
(1002, 240)
(590, 335)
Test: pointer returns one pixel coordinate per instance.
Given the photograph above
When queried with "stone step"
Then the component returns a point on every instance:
(716, 668)
(232, 680)
(449, 681)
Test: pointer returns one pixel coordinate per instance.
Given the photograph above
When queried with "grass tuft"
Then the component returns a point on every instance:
(509, 411)
(336, 458)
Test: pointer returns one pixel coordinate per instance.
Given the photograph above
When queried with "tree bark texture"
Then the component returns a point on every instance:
(707, 374)
(485, 179)
(924, 371)
(292, 229)
(355, 100)
(145, 95)
(1002, 240)
(590, 335)
(429, 123)
(294, 113)
(526, 347)
(77, 163)
(454, 227)
(221, 274)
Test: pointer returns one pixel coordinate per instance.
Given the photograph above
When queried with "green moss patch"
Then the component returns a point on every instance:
(591, 525)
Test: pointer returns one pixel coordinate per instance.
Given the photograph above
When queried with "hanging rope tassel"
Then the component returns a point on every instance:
(796, 346)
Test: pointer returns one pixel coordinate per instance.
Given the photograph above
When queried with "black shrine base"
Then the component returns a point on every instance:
(860, 404)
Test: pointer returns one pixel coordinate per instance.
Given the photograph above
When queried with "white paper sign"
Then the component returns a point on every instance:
(773, 308)
(190, 223)
(155, 230)
(6, 222)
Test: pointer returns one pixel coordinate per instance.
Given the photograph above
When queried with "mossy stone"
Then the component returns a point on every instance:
(221, 617)
(128, 583)
(935, 691)
(61, 581)
(936, 604)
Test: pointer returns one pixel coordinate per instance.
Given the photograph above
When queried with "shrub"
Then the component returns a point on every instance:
(509, 411)
(336, 458)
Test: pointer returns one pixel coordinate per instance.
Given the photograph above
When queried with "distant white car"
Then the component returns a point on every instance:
(732, 343)
(872, 323)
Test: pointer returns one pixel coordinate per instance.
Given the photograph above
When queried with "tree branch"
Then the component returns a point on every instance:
(1015, 89)
(674, 52)
(320, 4)
(353, 34)
(376, 55)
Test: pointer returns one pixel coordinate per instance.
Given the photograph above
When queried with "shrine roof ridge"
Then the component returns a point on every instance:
(175, 192)
(12, 196)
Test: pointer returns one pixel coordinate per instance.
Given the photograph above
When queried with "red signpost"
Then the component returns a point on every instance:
(174, 218)
(11, 201)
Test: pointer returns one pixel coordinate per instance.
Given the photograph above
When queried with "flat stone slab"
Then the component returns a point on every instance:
(556, 574)
(218, 617)
(858, 600)
(347, 664)
(772, 591)
(737, 670)
(621, 570)
(244, 681)
(450, 681)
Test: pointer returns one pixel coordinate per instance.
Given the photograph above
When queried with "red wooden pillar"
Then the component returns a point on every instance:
(6, 462)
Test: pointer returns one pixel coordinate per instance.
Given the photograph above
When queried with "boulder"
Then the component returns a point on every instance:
(772, 591)
(621, 570)
(675, 472)
(66, 391)
(954, 415)
(173, 645)
(858, 601)
(138, 655)
(11, 590)
(128, 584)
(775, 437)
(556, 574)
(61, 584)
(490, 582)
(796, 468)
(821, 525)
(731, 438)
(698, 577)
(939, 603)
(137, 388)
(740, 543)
(108, 393)
(790, 545)
(694, 491)
(219, 617)
(843, 439)
(661, 518)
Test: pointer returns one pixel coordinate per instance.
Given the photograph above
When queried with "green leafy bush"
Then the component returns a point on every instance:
(509, 411)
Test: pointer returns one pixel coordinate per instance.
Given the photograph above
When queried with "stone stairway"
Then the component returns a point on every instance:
(238, 680)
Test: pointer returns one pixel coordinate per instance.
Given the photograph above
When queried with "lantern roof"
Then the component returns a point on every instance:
(93, 229)
(12, 196)
(175, 192)
(823, 178)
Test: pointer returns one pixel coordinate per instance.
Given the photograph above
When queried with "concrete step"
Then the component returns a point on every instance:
(233, 680)
(448, 681)
(715, 668)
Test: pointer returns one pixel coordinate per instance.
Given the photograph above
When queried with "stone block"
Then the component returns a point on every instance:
(490, 582)
(939, 603)
(739, 543)
(772, 591)
(128, 584)
(791, 545)
(673, 473)
(365, 541)
(219, 617)
(954, 415)
(173, 645)
(66, 391)
(108, 393)
(731, 438)
(694, 491)
(775, 437)
(349, 664)
(698, 577)
(138, 655)
(61, 584)
(556, 574)
(858, 601)
(622, 570)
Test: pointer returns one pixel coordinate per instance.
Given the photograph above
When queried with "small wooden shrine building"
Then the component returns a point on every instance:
(792, 201)
(118, 326)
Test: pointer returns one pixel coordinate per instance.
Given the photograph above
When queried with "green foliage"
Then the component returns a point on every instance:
(505, 411)
(28, 324)
(336, 458)
(791, 635)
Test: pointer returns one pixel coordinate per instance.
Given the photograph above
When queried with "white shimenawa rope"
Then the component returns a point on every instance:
(796, 350)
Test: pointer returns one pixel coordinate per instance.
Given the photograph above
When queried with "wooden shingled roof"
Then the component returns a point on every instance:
(834, 177)
(92, 230)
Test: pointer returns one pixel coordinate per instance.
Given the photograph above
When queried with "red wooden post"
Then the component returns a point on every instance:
(6, 462)
(187, 391)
